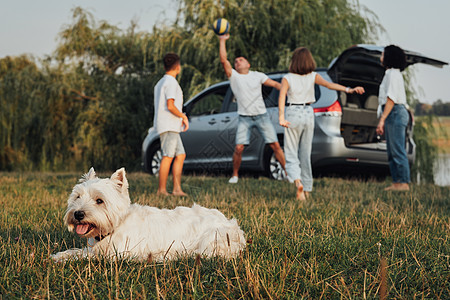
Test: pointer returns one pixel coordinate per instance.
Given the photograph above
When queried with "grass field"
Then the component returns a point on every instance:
(327, 248)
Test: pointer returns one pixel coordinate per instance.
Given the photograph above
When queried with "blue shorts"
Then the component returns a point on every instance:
(171, 144)
(262, 122)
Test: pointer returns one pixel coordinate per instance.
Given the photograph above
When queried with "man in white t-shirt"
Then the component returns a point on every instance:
(246, 87)
(169, 121)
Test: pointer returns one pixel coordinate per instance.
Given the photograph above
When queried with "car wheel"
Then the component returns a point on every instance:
(274, 170)
(154, 159)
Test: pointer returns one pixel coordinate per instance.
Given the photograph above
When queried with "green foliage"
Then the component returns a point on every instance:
(17, 74)
(91, 102)
(89, 105)
(426, 151)
(266, 34)
(438, 108)
(328, 247)
(422, 171)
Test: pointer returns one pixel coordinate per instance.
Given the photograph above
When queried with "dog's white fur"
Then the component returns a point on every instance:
(118, 228)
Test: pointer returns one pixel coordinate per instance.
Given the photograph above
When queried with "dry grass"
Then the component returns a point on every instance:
(329, 247)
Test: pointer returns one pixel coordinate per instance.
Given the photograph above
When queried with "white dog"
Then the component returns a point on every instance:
(100, 210)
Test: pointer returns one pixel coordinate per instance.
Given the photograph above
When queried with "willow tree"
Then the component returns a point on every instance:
(110, 75)
(17, 81)
(91, 102)
(266, 32)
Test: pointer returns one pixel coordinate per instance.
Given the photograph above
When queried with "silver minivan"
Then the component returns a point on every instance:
(344, 124)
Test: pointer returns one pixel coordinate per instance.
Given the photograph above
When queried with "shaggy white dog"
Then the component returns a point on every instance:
(100, 210)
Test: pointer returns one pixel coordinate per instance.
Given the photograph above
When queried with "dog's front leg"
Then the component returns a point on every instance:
(72, 254)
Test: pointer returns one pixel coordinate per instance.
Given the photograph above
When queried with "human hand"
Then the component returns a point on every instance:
(185, 124)
(224, 36)
(284, 123)
(380, 127)
(358, 90)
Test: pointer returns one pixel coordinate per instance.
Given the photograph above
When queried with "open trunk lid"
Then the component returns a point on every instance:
(349, 63)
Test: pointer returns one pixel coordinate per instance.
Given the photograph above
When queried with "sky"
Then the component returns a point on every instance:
(32, 27)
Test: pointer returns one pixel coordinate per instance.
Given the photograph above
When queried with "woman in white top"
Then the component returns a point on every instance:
(298, 85)
(394, 117)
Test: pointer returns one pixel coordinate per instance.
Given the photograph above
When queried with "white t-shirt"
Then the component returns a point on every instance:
(167, 88)
(247, 90)
(301, 88)
(392, 86)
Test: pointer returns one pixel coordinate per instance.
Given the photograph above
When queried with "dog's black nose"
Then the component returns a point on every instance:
(79, 215)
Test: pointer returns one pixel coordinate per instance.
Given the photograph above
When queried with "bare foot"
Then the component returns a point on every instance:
(398, 187)
(162, 193)
(179, 194)
(403, 187)
(300, 195)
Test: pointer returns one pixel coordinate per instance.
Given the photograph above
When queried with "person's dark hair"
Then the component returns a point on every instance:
(302, 62)
(170, 61)
(394, 57)
(238, 53)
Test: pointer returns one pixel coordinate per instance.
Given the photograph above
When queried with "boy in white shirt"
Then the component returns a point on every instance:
(246, 87)
(169, 121)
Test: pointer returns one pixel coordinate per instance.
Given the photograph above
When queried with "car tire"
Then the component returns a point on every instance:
(154, 158)
(272, 166)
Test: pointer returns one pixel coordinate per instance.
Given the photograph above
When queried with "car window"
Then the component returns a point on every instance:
(232, 106)
(317, 92)
(208, 104)
(270, 96)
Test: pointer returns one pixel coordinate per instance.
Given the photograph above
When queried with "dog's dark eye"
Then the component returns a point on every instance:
(99, 201)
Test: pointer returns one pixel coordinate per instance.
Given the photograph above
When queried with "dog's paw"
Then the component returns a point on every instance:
(66, 255)
(58, 257)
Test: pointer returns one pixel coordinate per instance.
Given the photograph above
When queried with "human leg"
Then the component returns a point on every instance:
(242, 138)
(171, 146)
(395, 128)
(279, 154)
(177, 169)
(265, 127)
(292, 137)
(164, 170)
(291, 144)
(306, 148)
(237, 159)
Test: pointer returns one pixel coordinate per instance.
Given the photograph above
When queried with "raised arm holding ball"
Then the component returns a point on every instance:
(246, 87)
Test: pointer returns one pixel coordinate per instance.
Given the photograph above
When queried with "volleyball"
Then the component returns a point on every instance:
(221, 26)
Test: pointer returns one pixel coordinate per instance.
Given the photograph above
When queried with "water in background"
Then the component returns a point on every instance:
(442, 170)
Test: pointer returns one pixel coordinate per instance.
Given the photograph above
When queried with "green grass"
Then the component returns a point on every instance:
(329, 247)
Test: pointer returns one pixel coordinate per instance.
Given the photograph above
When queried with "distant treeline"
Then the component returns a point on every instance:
(90, 102)
(438, 108)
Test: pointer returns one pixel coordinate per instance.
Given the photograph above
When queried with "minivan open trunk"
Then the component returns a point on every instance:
(360, 66)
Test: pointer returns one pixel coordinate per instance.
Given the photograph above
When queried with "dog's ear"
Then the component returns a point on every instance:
(120, 179)
(89, 175)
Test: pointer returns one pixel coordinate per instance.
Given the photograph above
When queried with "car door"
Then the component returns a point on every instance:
(204, 143)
